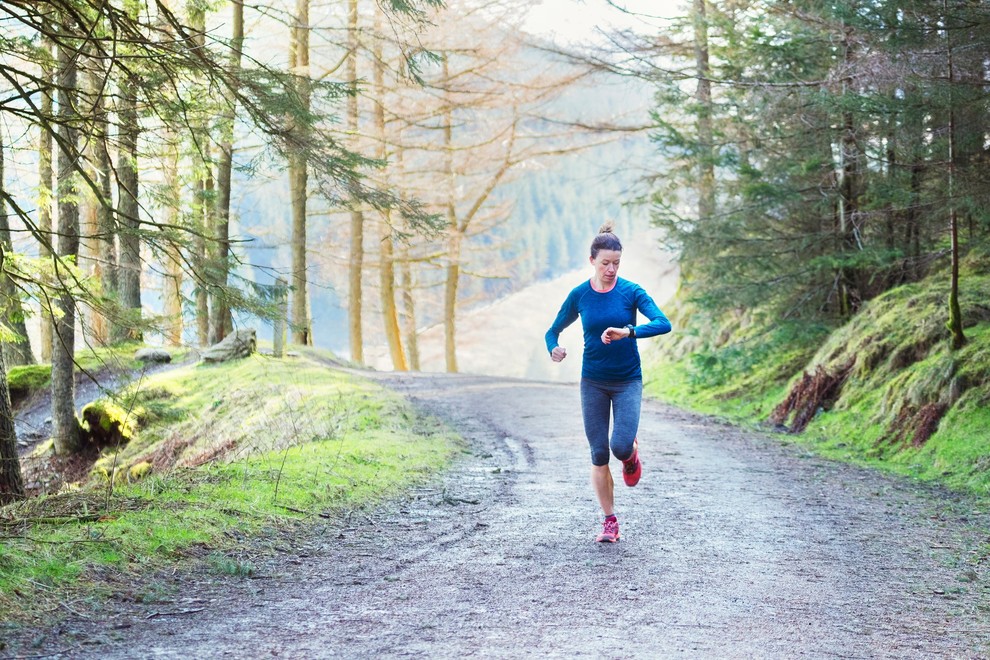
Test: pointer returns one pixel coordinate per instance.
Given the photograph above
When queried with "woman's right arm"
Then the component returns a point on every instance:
(568, 314)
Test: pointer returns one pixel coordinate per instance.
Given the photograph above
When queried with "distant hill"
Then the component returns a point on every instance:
(505, 338)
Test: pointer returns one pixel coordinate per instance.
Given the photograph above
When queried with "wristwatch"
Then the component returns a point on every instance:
(632, 331)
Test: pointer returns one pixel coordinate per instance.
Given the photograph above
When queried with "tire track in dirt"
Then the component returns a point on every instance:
(733, 546)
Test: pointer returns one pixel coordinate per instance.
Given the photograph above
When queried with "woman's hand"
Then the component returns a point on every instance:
(614, 333)
(558, 353)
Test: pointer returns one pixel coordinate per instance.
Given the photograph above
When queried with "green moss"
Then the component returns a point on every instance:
(139, 471)
(26, 379)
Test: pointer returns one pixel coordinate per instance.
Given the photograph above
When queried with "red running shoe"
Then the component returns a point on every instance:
(632, 469)
(610, 532)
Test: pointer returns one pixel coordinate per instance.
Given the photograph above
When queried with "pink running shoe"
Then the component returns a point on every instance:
(632, 469)
(610, 532)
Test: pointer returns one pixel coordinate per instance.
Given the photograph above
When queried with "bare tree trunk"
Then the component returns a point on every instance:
(278, 327)
(18, 352)
(356, 253)
(849, 187)
(174, 274)
(354, 280)
(201, 251)
(955, 312)
(66, 428)
(220, 309)
(406, 287)
(386, 258)
(298, 184)
(128, 210)
(45, 197)
(703, 94)
(103, 247)
(390, 311)
(203, 222)
(453, 273)
(11, 482)
(453, 276)
(406, 282)
(89, 320)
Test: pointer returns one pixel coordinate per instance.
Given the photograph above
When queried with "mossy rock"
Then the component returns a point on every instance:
(105, 424)
(110, 464)
(138, 471)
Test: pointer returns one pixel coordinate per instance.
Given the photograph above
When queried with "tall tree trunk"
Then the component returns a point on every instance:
(201, 251)
(298, 182)
(406, 282)
(11, 482)
(955, 312)
(18, 352)
(356, 253)
(849, 188)
(220, 319)
(104, 249)
(65, 426)
(174, 273)
(390, 312)
(891, 215)
(453, 270)
(45, 194)
(203, 224)
(386, 260)
(703, 95)
(128, 210)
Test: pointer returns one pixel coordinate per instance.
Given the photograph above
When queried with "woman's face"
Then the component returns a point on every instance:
(606, 265)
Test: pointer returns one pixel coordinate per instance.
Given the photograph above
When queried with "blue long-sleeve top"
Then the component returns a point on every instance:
(616, 308)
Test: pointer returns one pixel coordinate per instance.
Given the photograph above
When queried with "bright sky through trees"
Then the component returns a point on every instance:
(582, 20)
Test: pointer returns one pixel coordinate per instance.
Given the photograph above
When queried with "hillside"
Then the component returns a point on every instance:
(884, 389)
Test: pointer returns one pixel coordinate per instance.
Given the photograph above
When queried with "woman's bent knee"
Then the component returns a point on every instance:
(623, 451)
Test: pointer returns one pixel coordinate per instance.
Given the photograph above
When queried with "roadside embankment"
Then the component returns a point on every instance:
(205, 458)
(884, 389)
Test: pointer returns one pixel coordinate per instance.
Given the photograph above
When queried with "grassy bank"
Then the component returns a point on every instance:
(883, 390)
(214, 454)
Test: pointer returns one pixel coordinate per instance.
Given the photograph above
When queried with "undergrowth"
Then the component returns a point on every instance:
(737, 366)
(884, 389)
(221, 453)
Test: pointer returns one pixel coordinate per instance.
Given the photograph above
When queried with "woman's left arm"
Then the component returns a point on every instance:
(658, 325)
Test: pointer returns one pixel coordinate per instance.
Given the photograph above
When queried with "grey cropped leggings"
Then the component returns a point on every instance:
(620, 401)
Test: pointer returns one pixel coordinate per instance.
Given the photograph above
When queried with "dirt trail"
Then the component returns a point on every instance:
(733, 546)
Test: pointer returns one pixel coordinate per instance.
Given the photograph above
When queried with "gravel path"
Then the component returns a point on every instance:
(733, 545)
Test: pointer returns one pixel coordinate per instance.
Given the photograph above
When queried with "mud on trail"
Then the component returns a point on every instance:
(733, 545)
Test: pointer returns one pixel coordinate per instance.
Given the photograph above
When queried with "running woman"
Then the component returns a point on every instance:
(611, 377)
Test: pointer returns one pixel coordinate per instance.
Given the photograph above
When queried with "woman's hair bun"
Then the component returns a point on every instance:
(605, 240)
